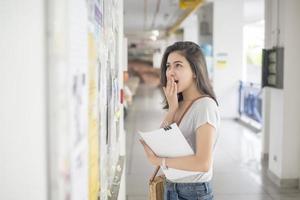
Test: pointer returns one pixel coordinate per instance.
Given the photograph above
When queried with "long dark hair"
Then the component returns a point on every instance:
(193, 54)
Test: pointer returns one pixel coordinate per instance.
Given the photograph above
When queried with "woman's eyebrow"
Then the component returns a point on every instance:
(177, 61)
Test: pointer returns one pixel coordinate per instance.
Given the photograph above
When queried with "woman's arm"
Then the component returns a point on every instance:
(201, 161)
(169, 119)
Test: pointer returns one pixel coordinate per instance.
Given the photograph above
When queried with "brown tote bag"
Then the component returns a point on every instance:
(156, 183)
(156, 186)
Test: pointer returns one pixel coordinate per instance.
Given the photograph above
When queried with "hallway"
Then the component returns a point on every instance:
(80, 78)
(238, 173)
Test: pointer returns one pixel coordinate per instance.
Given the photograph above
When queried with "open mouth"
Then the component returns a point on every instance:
(176, 81)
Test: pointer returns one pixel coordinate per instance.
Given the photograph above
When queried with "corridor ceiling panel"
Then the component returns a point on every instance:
(143, 16)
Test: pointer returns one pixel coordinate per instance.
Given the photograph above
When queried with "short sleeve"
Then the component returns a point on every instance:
(206, 112)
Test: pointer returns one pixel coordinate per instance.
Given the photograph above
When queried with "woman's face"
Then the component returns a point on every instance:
(180, 70)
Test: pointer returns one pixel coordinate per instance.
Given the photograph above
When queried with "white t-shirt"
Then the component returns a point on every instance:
(203, 110)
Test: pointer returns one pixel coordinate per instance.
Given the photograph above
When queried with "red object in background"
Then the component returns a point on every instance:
(122, 96)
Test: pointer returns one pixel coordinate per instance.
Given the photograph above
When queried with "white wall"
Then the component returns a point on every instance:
(283, 119)
(190, 29)
(265, 137)
(291, 139)
(228, 41)
(23, 171)
(266, 91)
(276, 130)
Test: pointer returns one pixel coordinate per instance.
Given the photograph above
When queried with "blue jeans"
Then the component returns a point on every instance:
(187, 191)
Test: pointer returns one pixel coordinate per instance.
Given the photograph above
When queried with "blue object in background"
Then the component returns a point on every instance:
(250, 101)
(208, 53)
(206, 49)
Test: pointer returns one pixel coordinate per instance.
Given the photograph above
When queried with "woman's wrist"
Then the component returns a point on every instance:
(168, 119)
(163, 163)
(171, 115)
(172, 111)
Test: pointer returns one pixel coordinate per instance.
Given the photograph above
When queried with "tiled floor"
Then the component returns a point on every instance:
(238, 174)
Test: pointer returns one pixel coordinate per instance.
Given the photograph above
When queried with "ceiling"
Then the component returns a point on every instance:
(142, 17)
(254, 11)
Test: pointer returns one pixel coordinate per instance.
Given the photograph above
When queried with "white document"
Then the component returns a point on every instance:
(169, 142)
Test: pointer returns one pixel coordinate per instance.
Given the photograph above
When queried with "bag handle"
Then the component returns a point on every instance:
(188, 107)
(158, 167)
(154, 174)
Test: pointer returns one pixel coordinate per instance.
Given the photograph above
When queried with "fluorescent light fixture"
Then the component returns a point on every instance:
(155, 33)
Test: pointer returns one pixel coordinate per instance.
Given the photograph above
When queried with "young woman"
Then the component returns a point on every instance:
(191, 103)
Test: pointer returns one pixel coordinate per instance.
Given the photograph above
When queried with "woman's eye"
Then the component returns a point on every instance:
(178, 65)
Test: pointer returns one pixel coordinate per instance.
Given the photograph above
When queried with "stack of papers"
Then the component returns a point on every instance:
(169, 142)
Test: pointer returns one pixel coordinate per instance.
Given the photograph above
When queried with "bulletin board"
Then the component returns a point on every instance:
(83, 45)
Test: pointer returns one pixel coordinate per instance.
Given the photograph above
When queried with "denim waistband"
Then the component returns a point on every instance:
(199, 186)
